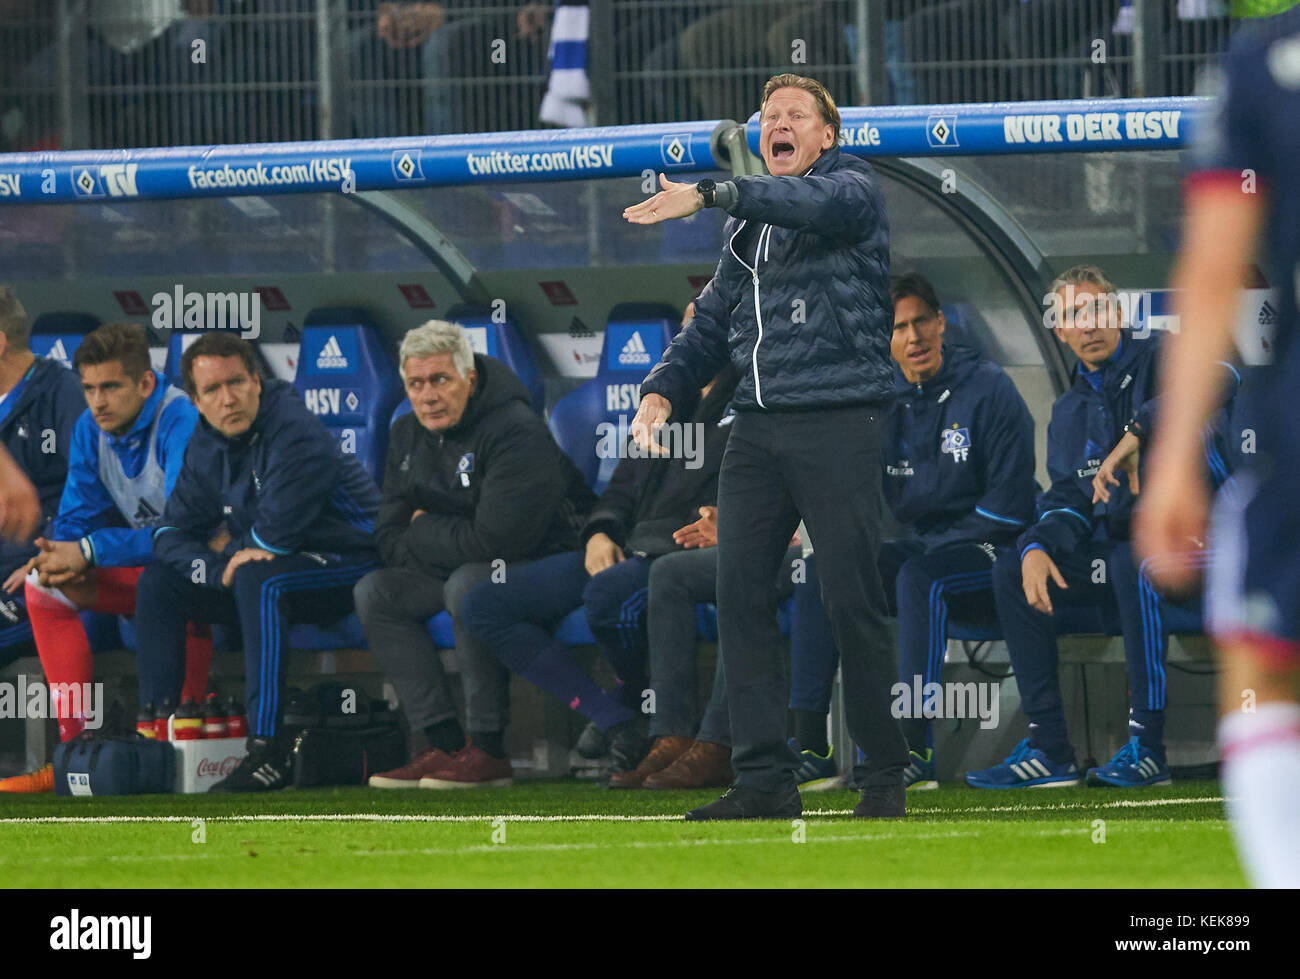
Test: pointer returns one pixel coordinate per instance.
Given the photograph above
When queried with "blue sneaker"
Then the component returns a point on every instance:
(1025, 768)
(920, 771)
(815, 772)
(1134, 767)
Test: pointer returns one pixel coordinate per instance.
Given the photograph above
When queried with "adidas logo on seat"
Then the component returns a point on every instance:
(59, 352)
(634, 351)
(331, 355)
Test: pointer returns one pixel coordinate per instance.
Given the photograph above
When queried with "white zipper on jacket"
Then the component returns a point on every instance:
(759, 248)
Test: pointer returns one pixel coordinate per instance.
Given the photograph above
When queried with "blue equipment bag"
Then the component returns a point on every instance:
(114, 766)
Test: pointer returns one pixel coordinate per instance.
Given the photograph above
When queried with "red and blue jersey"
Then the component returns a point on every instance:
(1251, 142)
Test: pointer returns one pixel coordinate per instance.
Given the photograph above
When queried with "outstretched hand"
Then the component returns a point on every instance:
(650, 417)
(674, 201)
(701, 533)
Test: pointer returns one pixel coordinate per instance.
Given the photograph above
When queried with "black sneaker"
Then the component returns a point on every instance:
(266, 767)
(628, 744)
(592, 742)
(743, 803)
(882, 802)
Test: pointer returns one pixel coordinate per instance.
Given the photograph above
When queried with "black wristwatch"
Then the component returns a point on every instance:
(708, 189)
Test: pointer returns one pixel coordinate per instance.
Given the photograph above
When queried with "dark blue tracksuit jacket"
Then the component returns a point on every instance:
(959, 454)
(36, 423)
(1087, 422)
(282, 486)
(807, 324)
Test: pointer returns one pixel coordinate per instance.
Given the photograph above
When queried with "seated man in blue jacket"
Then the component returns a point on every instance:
(268, 523)
(1079, 553)
(40, 400)
(958, 461)
(127, 450)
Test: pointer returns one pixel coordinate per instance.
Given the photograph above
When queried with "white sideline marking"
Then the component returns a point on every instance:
(1117, 804)
(377, 817)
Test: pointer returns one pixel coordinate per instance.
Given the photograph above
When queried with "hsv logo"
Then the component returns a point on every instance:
(331, 356)
(113, 179)
(621, 397)
(941, 131)
(676, 150)
(331, 401)
(408, 165)
(11, 185)
(956, 443)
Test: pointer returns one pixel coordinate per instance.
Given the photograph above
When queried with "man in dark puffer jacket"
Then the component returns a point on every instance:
(473, 482)
(800, 302)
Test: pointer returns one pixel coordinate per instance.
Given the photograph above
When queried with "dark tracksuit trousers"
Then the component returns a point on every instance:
(1145, 621)
(923, 589)
(263, 600)
(823, 465)
(678, 583)
(515, 619)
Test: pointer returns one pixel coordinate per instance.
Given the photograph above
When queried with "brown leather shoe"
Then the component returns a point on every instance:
(665, 750)
(703, 765)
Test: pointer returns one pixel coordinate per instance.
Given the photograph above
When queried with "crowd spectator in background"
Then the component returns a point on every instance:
(417, 68)
(474, 483)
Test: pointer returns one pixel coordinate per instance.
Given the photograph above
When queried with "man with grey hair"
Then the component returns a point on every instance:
(1078, 555)
(40, 400)
(473, 482)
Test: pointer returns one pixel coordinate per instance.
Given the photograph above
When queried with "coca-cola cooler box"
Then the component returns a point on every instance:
(202, 763)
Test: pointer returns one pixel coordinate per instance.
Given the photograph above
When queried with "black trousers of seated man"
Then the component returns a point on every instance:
(824, 466)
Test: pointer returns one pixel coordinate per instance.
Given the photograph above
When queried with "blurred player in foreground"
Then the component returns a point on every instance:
(1244, 180)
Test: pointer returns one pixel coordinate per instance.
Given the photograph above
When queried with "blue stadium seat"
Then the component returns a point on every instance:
(635, 338)
(346, 376)
(177, 343)
(504, 341)
(58, 335)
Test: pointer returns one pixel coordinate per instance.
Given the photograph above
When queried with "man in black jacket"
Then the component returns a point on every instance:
(647, 501)
(800, 303)
(473, 482)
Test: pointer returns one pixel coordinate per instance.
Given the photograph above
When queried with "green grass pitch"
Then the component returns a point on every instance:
(569, 834)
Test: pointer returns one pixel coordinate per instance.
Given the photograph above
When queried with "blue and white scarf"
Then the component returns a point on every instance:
(569, 90)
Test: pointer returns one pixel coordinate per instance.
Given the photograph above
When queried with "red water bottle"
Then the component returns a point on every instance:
(165, 711)
(236, 723)
(214, 718)
(188, 725)
(144, 724)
